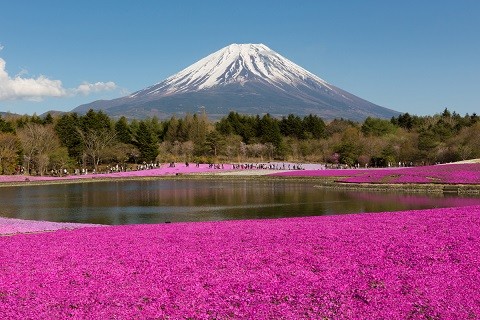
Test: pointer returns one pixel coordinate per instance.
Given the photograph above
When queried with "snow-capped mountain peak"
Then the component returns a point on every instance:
(236, 63)
(247, 78)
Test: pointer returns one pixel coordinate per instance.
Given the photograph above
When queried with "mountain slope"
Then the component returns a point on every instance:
(247, 78)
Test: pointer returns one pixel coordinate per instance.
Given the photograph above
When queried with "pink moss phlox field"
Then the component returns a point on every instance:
(417, 201)
(403, 265)
(10, 226)
(322, 173)
(446, 174)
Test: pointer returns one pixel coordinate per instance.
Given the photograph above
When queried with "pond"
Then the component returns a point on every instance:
(159, 201)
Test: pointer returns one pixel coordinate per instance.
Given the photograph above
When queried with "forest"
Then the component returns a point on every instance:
(60, 144)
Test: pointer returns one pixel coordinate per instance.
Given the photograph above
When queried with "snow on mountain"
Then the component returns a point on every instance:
(247, 78)
(236, 63)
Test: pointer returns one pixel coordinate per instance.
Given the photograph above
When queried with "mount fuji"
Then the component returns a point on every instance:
(248, 79)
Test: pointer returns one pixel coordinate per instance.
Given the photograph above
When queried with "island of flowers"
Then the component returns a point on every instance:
(466, 173)
(405, 265)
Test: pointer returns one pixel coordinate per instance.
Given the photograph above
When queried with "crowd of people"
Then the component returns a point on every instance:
(117, 168)
(267, 166)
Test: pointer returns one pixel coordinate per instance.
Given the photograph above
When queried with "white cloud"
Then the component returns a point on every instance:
(27, 88)
(24, 88)
(87, 88)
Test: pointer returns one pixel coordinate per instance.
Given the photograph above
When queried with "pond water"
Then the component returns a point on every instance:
(159, 201)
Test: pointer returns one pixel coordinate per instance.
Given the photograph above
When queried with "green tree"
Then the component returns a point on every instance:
(123, 131)
(134, 127)
(60, 160)
(67, 131)
(5, 126)
(225, 127)
(171, 129)
(147, 142)
(427, 142)
(403, 121)
(292, 126)
(377, 127)
(95, 121)
(339, 126)
(97, 133)
(349, 148)
(48, 119)
(242, 125)
(269, 131)
(200, 128)
(214, 142)
(36, 119)
(314, 126)
(443, 129)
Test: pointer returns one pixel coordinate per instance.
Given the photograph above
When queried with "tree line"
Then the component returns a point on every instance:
(55, 144)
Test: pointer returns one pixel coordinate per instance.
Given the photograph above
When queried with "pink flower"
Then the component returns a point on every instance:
(412, 264)
(444, 174)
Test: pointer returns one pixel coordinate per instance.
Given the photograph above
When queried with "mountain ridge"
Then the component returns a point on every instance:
(247, 78)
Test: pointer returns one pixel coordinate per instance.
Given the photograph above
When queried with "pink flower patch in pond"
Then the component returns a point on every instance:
(446, 174)
(319, 173)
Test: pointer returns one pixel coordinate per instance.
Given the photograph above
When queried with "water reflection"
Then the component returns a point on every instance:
(131, 202)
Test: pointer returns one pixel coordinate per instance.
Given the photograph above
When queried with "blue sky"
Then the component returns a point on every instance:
(411, 56)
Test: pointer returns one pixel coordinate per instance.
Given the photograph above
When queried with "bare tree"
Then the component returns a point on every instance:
(243, 150)
(187, 150)
(38, 143)
(232, 147)
(176, 149)
(95, 143)
(269, 149)
(256, 150)
(9, 148)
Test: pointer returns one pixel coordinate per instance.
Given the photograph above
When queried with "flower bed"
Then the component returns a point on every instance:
(322, 173)
(403, 265)
(414, 201)
(445, 174)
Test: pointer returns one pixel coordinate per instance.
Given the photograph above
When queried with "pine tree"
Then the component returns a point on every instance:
(122, 129)
(67, 131)
(147, 142)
